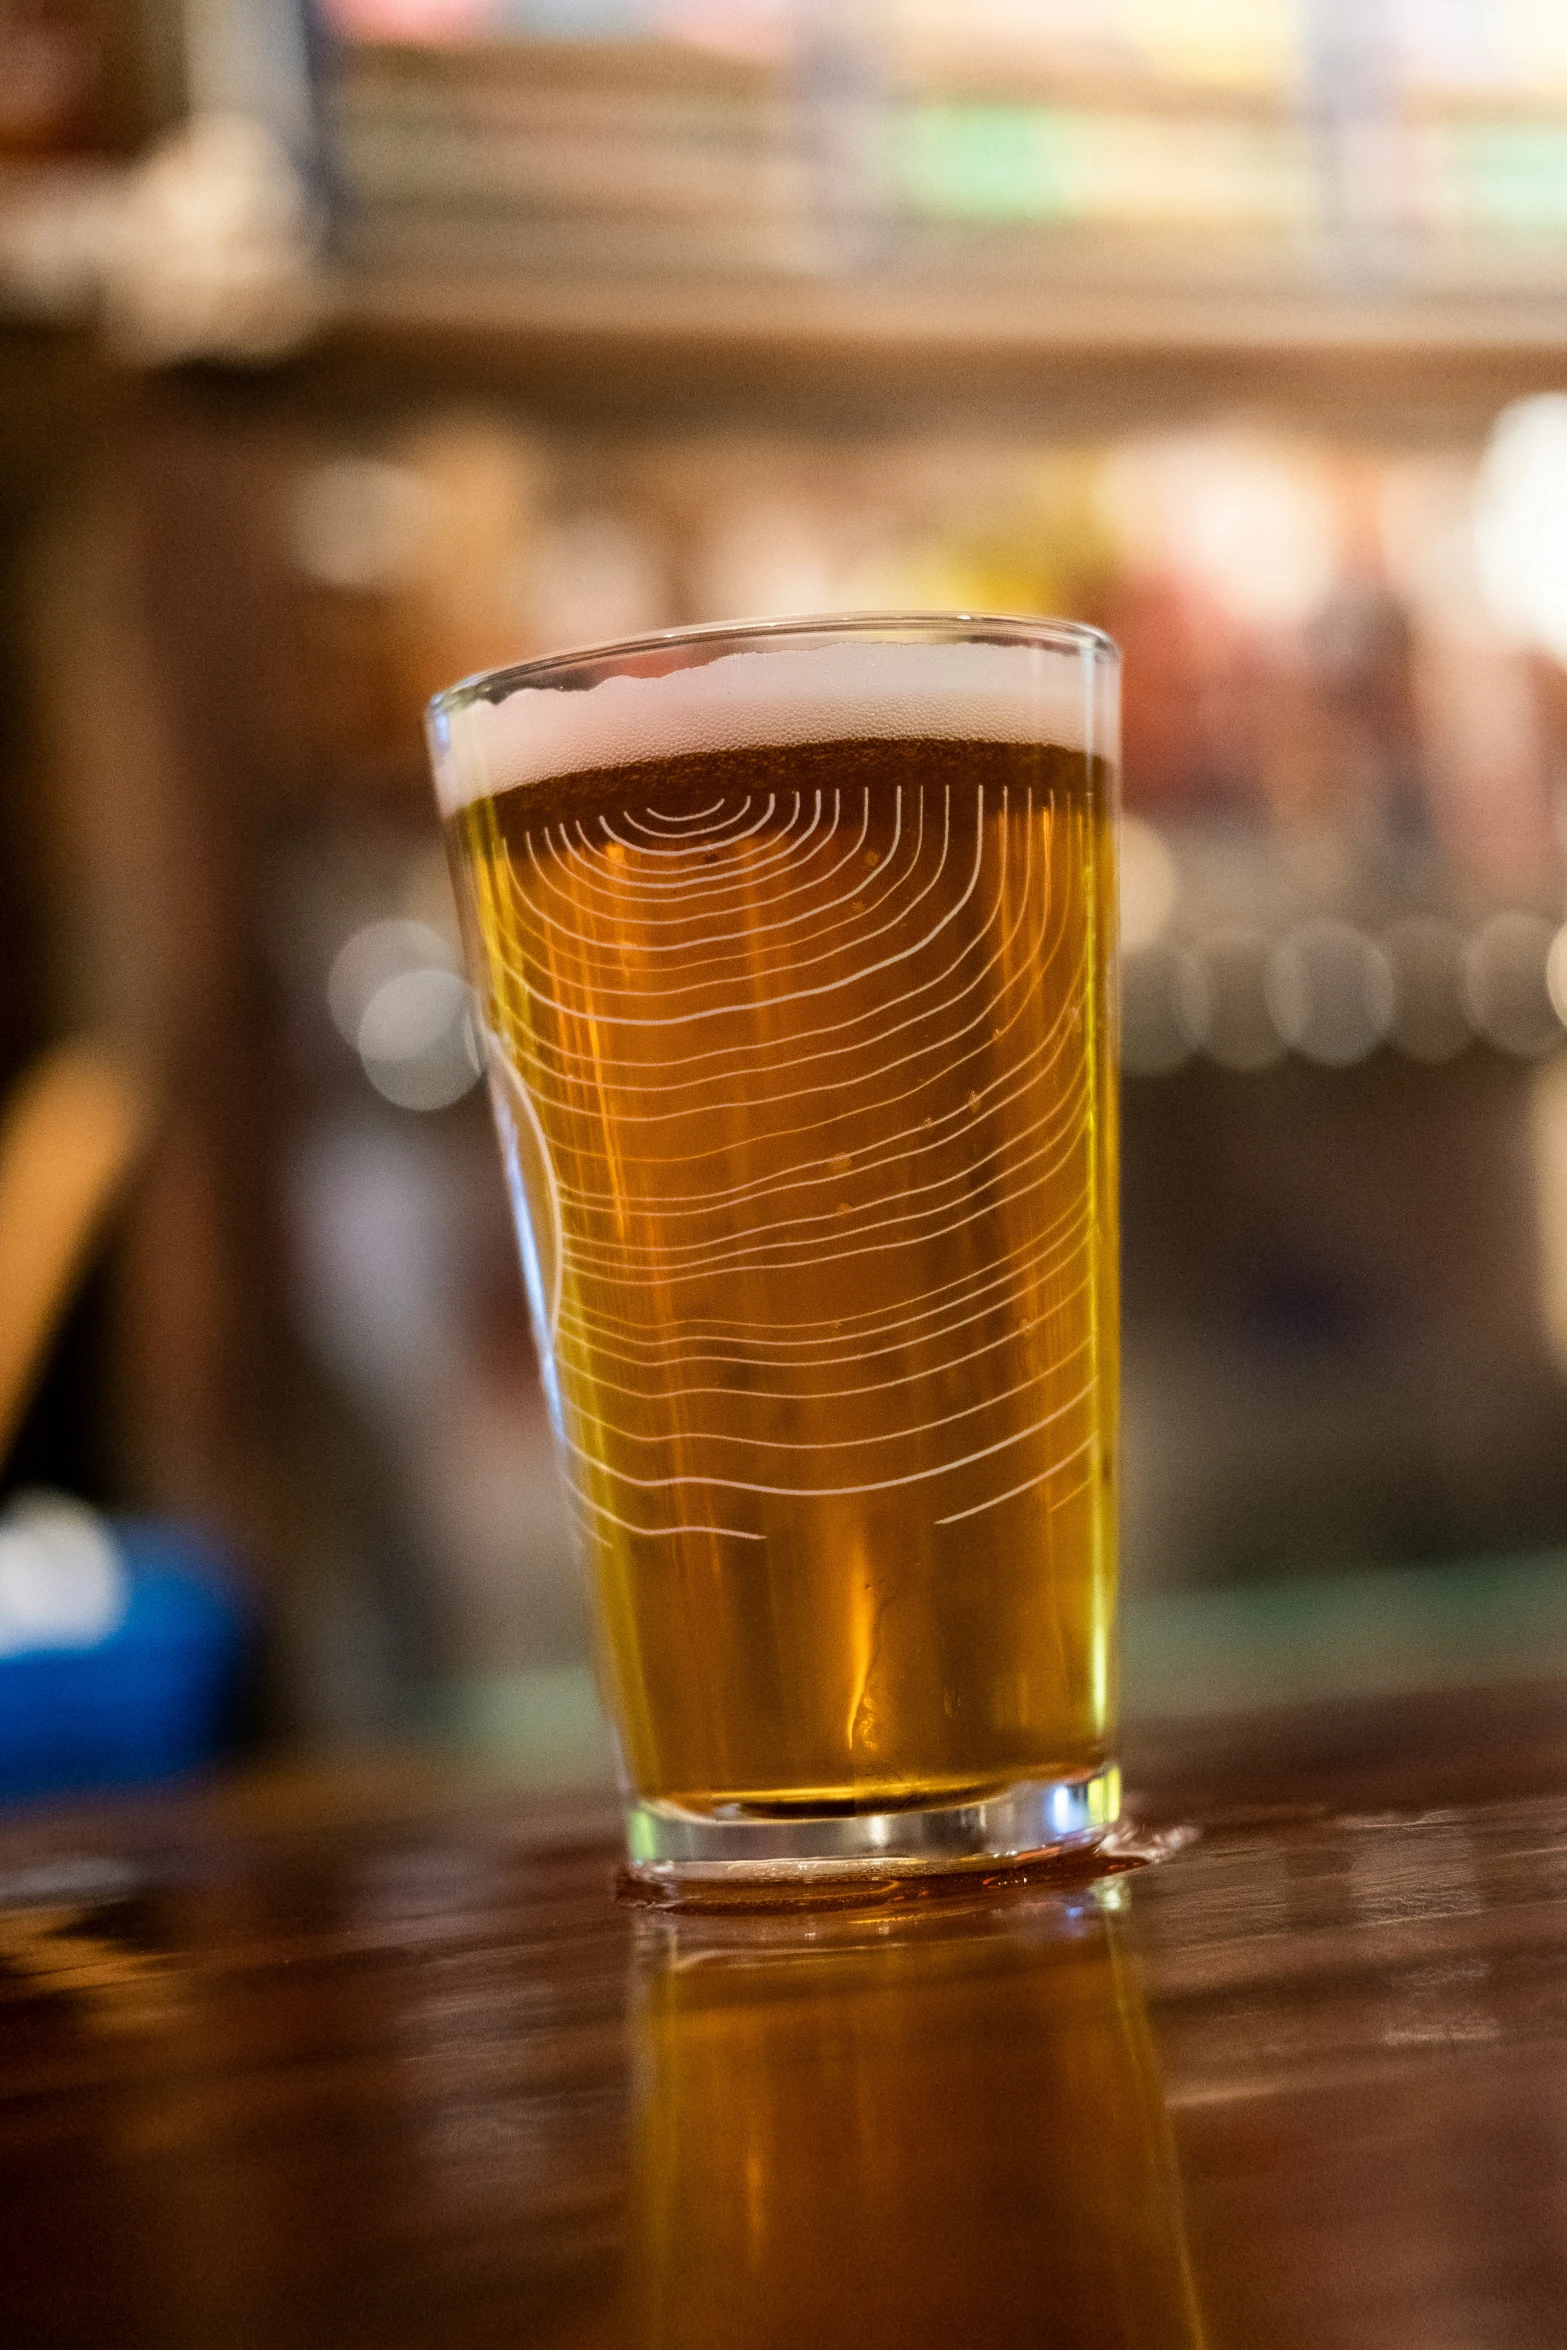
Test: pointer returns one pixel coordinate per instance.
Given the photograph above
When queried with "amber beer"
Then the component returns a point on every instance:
(801, 1054)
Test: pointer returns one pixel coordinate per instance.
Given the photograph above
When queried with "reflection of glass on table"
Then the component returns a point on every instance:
(907, 2128)
(793, 945)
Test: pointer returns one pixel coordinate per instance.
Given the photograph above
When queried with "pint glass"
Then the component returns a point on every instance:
(794, 948)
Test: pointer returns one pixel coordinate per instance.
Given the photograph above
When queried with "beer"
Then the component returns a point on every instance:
(801, 1059)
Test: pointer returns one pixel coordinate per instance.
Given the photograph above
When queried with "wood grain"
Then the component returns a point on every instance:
(377, 2059)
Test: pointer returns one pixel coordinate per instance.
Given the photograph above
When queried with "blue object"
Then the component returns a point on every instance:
(152, 1698)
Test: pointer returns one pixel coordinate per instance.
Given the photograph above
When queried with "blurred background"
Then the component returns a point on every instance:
(349, 348)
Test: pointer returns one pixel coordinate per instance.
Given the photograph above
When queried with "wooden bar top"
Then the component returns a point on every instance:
(377, 2058)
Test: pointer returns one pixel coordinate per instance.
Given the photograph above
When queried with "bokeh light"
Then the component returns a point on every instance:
(417, 1040)
(1430, 1022)
(1149, 883)
(1153, 1038)
(396, 995)
(1521, 522)
(1505, 987)
(1221, 1000)
(1331, 992)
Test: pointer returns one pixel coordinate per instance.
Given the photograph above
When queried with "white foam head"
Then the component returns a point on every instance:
(865, 689)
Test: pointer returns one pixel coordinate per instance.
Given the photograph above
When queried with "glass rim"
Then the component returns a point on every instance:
(498, 684)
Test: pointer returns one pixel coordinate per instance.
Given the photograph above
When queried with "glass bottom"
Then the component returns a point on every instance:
(671, 1849)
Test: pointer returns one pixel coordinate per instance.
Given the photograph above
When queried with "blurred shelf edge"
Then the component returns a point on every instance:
(862, 351)
(862, 345)
(869, 312)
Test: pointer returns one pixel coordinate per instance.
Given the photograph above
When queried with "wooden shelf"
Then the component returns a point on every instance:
(818, 353)
(865, 349)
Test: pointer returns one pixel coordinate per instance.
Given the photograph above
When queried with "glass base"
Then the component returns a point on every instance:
(670, 1849)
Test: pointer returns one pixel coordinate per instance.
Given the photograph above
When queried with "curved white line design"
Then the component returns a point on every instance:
(805, 1091)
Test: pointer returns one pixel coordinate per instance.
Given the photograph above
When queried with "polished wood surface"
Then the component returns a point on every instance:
(377, 2058)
